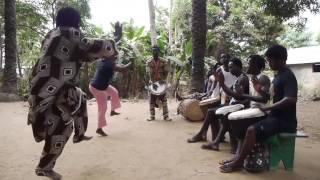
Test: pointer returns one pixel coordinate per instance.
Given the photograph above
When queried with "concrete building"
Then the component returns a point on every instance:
(305, 63)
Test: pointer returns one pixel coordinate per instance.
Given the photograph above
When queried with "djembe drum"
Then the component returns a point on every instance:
(190, 109)
(157, 88)
(239, 122)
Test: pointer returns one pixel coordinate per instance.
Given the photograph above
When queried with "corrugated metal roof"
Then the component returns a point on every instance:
(304, 55)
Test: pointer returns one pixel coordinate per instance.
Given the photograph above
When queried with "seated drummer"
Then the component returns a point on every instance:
(282, 117)
(210, 85)
(217, 92)
(259, 90)
(242, 83)
(212, 88)
(241, 86)
(230, 79)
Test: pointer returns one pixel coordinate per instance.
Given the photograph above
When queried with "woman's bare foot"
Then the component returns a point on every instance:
(101, 132)
(50, 174)
(113, 113)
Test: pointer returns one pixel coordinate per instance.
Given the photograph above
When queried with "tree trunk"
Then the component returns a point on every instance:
(19, 66)
(152, 17)
(0, 58)
(199, 31)
(9, 74)
(1, 50)
(170, 26)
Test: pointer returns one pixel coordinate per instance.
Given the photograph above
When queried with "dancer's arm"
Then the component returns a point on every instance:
(123, 68)
(92, 49)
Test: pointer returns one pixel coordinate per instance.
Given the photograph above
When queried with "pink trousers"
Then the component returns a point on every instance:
(101, 98)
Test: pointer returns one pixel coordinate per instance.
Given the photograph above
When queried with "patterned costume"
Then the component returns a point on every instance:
(56, 103)
(158, 71)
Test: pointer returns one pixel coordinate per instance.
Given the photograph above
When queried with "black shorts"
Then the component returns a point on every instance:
(270, 126)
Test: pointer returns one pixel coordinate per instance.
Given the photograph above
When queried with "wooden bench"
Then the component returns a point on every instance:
(282, 148)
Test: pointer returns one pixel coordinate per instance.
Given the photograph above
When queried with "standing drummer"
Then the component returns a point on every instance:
(157, 69)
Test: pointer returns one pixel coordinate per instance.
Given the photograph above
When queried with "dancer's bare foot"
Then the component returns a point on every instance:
(50, 174)
(151, 119)
(210, 146)
(101, 132)
(197, 138)
(77, 139)
(167, 119)
(113, 113)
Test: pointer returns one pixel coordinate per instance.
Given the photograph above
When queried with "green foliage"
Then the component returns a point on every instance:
(294, 39)
(284, 10)
(23, 87)
(240, 28)
(31, 28)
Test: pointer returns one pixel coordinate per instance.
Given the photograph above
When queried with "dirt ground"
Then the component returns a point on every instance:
(139, 150)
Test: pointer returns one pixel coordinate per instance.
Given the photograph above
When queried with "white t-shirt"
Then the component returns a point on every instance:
(229, 81)
(216, 90)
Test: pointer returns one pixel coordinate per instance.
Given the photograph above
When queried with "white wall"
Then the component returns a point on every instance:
(308, 81)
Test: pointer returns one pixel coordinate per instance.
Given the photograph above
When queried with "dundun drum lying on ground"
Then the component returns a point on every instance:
(241, 120)
(190, 109)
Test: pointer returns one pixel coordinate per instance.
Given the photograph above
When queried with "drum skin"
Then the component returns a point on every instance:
(209, 101)
(229, 109)
(245, 114)
(157, 88)
(190, 109)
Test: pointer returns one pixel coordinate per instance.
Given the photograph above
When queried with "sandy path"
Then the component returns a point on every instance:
(139, 150)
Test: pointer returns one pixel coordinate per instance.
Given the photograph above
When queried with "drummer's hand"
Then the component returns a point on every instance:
(220, 78)
(255, 83)
(162, 82)
(238, 95)
(262, 108)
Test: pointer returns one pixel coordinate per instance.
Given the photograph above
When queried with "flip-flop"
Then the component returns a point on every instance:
(210, 147)
(228, 168)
